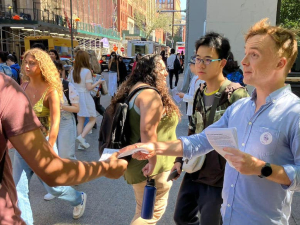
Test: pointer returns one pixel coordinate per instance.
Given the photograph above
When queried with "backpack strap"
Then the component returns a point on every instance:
(66, 90)
(216, 102)
(137, 90)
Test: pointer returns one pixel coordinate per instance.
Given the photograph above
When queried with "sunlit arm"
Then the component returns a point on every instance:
(54, 106)
(55, 171)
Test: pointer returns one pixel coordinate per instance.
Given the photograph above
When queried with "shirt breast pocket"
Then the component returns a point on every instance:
(268, 141)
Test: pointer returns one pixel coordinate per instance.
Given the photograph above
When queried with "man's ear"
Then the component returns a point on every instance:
(223, 63)
(282, 63)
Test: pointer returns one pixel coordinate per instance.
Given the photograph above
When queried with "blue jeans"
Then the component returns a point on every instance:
(66, 136)
(22, 174)
(86, 121)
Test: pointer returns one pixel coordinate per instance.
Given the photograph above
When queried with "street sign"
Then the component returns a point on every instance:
(122, 49)
(115, 48)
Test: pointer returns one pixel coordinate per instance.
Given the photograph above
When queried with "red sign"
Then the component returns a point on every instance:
(122, 49)
(115, 48)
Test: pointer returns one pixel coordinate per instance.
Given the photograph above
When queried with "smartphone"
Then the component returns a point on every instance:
(173, 175)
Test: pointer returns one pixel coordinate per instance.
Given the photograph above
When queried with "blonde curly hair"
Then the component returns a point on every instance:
(49, 72)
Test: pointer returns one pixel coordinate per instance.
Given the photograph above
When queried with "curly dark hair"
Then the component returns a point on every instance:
(55, 53)
(146, 71)
(231, 64)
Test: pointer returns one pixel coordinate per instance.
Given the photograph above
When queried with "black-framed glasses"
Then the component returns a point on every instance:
(197, 60)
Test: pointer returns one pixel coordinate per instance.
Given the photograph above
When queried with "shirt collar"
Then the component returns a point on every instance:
(274, 95)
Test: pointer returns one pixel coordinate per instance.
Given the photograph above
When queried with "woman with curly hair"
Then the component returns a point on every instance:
(42, 85)
(54, 55)
(81, 77)
(153, 116)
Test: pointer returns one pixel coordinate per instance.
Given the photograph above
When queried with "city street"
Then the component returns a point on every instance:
(109, 202)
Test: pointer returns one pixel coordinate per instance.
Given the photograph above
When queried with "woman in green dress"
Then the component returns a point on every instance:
(153, 116)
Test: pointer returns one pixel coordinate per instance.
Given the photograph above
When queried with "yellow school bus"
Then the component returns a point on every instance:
(61, 45)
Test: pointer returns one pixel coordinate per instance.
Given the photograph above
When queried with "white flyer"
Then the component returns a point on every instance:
(175, 96)
(107, 152)
(220, 138)
(132, 151)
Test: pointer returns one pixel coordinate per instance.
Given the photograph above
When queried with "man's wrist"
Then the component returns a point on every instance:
(259, 165)
(103, 168)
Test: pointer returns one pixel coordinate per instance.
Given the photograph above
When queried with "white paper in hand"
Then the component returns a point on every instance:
(107, 152)
(132, 151)
(175, 96)
(220, 138)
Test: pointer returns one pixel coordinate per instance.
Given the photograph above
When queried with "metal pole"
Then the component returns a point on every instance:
(1, 40)
(71, 12)
(278, 12)
(20, 53)
(173, 26)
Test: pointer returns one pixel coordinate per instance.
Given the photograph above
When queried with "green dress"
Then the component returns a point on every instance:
(166, 131)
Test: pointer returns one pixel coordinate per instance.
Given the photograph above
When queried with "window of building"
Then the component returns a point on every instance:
(129, 10)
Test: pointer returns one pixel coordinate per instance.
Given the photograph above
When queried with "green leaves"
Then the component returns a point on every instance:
(290, 14)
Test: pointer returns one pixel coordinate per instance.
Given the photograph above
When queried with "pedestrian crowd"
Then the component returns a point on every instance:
(55, 110)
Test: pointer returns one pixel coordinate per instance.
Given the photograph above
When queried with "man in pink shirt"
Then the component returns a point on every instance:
(20, 126)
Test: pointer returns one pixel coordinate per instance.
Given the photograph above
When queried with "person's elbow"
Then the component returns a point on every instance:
(89, 87)
(76, 108)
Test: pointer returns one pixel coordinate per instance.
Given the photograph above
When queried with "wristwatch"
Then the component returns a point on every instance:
(266, 170)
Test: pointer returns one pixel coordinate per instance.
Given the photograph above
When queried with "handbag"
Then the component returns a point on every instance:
(104, 90)
(195, 164)
(99, 108)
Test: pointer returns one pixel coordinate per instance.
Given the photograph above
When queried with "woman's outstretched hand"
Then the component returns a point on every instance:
(149, 147)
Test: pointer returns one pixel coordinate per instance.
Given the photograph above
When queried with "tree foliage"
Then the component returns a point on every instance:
(151, 20)
(290, 13)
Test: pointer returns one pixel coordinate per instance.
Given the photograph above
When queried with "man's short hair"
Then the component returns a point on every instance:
(11, 58)
(172, 50)
(3, 56)
(216, 41)
(285, 39)
(39, 45)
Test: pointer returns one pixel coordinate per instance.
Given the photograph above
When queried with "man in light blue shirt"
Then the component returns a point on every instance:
(259, 189)
(3, 67)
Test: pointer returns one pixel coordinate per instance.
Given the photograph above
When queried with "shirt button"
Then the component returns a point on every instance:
(228, 205)
(274, 100)
(232, 185)
(243, 144)
(250, 123)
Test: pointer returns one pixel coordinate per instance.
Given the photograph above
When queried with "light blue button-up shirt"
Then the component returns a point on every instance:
(272, 134)
(5, 69)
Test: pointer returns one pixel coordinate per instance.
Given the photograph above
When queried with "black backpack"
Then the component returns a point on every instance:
(66, 92)
(176, 64)
(115, 131)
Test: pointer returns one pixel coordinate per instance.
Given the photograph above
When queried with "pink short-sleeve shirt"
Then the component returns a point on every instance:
(16, 117)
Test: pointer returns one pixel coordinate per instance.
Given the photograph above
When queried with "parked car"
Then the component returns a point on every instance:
(67, 63)
(128, 63)
(104, 62)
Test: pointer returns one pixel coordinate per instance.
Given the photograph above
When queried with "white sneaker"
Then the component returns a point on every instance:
(49, 197)
(80, 147)
(79, 210)
(82, 142)
(91, 131)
